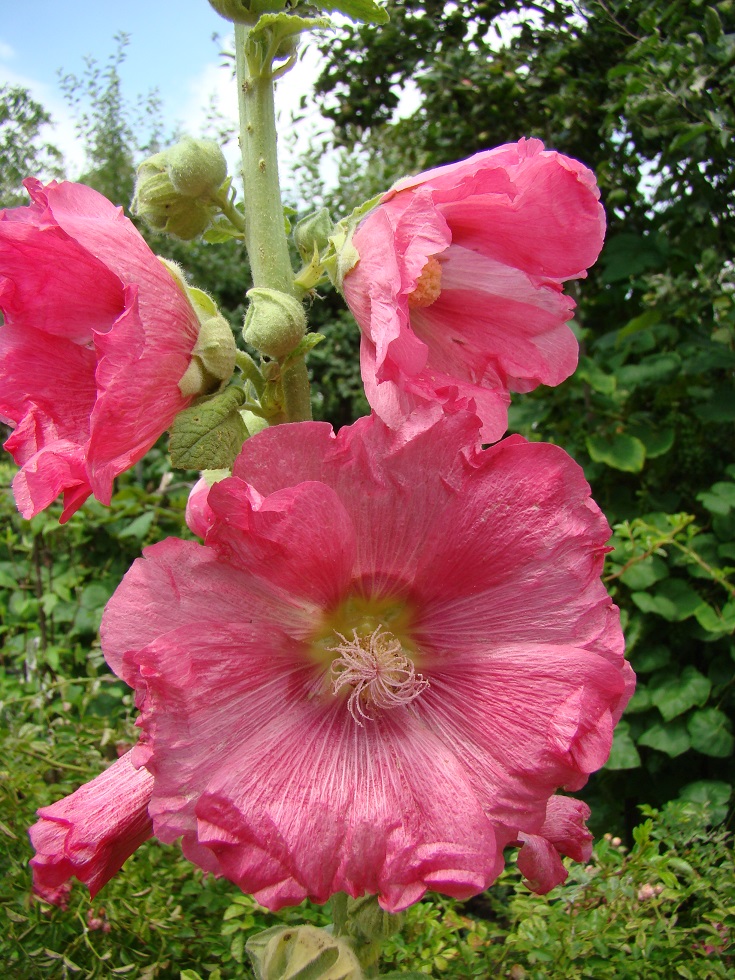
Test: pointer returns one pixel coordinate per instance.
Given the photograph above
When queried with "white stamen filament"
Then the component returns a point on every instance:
(380, 674)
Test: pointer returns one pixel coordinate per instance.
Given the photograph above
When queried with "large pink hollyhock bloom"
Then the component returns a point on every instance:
(389, 653)
(90, 834)
(97, 336)
(458, 287)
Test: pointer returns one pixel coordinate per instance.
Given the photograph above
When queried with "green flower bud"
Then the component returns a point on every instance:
(172, 188)
(274, 323)
(196, 167)
(213, 356)
(312, 233)
(284, 952)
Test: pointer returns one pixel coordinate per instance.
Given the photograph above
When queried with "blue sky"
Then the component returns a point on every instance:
(170, 49)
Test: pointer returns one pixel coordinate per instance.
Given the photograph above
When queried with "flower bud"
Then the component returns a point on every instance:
(196, 167)
(312, 233)
(172, 189)
(213, 355)
(296, 951)
(274, 323)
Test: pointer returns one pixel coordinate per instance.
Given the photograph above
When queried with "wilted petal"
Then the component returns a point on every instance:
(90, 834)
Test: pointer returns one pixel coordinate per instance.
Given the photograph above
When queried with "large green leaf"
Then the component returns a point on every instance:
(673, 600)
(675, 695)
(367, 11)
(620, 451)
(712, 792)
(710, 732)
(673, 738)
(623, 754)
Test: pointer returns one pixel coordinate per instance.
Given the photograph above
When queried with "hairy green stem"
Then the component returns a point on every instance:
(229, 210)
(265, 233)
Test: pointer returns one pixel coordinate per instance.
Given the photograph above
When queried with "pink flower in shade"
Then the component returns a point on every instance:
(389, 653)
(97, 336)
(91, 833)
(563, 833)
(458, 288)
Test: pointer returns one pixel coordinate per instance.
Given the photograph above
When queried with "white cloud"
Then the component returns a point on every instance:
(6, 51)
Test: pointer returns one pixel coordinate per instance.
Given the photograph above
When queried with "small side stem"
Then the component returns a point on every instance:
(229, 210)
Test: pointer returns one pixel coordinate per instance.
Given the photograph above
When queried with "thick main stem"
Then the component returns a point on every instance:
(265, 234)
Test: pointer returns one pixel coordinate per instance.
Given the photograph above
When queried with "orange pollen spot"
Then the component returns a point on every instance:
(428, 285)
(378, 672)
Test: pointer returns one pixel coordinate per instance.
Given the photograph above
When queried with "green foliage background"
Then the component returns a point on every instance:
(642, 93)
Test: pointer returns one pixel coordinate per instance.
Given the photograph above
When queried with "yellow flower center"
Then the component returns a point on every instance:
(376, 672)
(428, 285)
(366, 653)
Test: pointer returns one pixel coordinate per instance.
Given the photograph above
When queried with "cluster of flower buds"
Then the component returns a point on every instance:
(174, 190)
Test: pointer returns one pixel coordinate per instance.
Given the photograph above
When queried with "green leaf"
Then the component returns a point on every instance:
(649, 659)
(712, 24)
(712, 792)
(709, 730)
(722, 623)
(673, 600)
(675, 695)
(648, 319)
(366, 11)
(654, 369)
(657, 441)
(645, 573)
(641, 700)
(627, 255)
(623, 754)
(620, 451)
(139, 527)
(720, 498)
(209, 436)
(596, 378)
(673, 738)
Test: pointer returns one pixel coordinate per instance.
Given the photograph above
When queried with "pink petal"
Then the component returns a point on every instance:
(47, 280)
(265, 534)
(90, 834)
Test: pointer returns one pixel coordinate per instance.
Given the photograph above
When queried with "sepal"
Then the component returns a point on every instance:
(301, 952)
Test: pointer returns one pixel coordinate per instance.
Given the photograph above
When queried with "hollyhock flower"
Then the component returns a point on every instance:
(91, 833)
(563, 833)
(458, 287)
(388, 654)
(97, 336)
